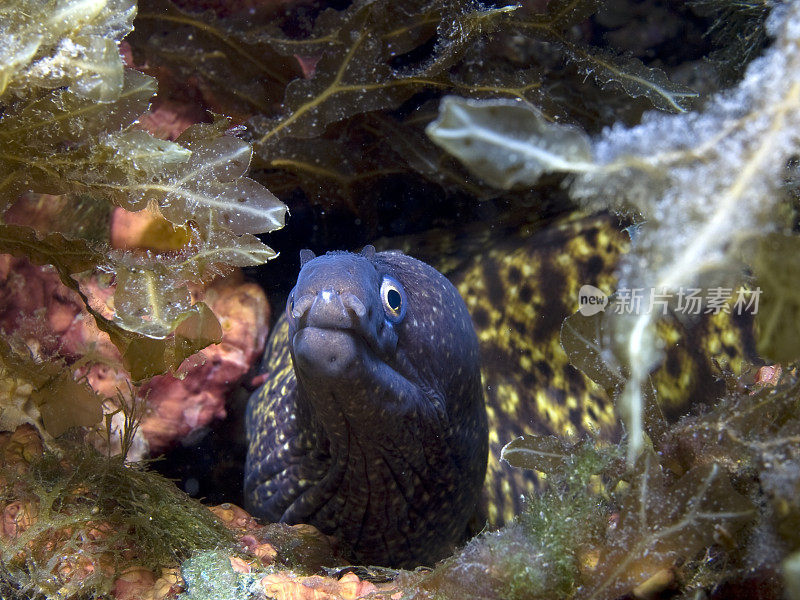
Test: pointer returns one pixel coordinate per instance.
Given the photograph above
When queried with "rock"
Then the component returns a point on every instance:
(286, 586)
(180, 405)
(37, 309)
(134, 584)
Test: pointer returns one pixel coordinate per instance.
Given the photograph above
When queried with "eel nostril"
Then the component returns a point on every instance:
(301, 305)
(352, 302)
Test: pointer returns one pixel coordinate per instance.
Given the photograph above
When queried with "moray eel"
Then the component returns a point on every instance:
(372, 425)
(520, 281)
(394, 486)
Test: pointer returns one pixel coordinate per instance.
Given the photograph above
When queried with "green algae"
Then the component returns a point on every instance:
(208, 575)
(368, 70)
(69, 107)
(91, 516)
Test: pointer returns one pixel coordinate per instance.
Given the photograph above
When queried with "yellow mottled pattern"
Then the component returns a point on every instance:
(519, 289)
(518, 292)
(279, 384)
(279, 360)
(697, 352)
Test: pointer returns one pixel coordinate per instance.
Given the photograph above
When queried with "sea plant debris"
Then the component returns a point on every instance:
(69, 104)
(81, 521)
(661, 525)
(601, 529)
(322, 88)
(704, 182)
(33, 393)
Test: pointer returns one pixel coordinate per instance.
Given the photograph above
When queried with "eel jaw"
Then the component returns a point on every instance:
(331, 332)
(327, 352)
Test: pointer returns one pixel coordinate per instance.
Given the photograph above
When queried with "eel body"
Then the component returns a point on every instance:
(372, 425)
(387, 478)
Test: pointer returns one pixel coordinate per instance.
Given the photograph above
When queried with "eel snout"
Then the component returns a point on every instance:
(330, 309)
(333, 331)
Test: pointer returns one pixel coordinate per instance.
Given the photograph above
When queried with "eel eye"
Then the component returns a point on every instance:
(394, 299)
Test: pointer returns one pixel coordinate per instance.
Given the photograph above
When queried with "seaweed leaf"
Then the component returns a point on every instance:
(64, 403)
(344, 170)
(65, 129)
(44, 394)
(508, 143)
(199, 175)
(354, 74)
(68, 257)
(791, 576)
(358, 47)
(632, 76)
(605, 67)
(569, 465)
(194, 329)
(548, 454)
(55, 43)
(660, 524)
(751, 432)
(716, 174)
(37, 135)
(777, 273)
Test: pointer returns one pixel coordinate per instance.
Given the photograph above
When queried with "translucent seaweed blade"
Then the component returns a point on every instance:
(146, 154)
(244, 206)
(68, 256)
(704, 182)
(225, 248)
(636, 79)
(508, 143)
(71, 15)
(188, 181)
(90, 64)
(84, 407)
(14, 54)
(356, 73)
(115, 19)
(61, 114)
(548, 454)
(67, 43)
(150, 301)
(662, 523)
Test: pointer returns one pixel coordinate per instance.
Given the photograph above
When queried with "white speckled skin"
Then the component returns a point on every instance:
(375, 431)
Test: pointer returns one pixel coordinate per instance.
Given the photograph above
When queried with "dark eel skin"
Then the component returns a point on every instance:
(519, 285)
(376, 431)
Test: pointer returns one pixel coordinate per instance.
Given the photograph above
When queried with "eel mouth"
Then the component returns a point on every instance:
(336, 335)
(329, 352)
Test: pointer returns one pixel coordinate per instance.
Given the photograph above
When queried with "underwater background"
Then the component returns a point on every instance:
(164, 163)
